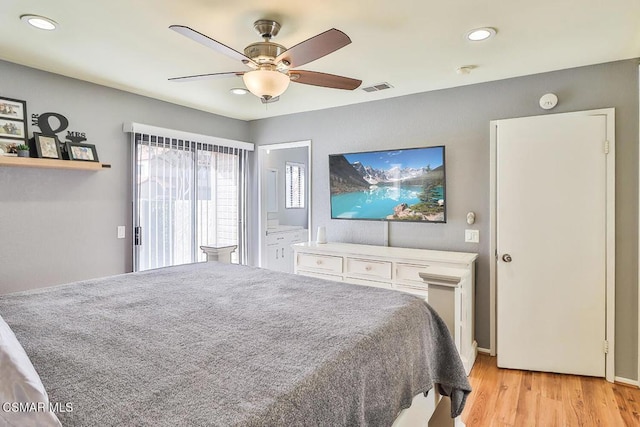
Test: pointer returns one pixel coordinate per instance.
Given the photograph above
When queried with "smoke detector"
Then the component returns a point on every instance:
(548, 101)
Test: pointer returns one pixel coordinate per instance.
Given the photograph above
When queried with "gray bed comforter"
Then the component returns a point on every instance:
(227, 345)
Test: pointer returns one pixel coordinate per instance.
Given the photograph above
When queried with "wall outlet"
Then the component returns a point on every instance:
(121, 231)
(472, 236)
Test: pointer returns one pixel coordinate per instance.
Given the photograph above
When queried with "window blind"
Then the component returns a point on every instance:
(294, 185)
(189, 190)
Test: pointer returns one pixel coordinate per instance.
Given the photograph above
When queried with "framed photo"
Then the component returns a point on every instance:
(82, 152)
(12, 129)
(13, 120)
(47, 146)
(13, 109)
(6, 145)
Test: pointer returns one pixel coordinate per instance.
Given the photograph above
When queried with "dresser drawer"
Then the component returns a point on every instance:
(286, 237)
(320, 262)
(368, 268)
(277, 238)
(409, 274)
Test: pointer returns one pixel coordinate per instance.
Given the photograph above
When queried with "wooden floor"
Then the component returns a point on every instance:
(505, 397)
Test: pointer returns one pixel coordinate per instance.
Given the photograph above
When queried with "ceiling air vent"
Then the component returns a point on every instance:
(377, 87)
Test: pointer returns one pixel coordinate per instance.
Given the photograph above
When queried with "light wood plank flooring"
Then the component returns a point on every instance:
(506, 397)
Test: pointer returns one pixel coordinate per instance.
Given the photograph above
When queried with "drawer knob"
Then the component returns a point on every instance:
(318, 261)
(368, 268)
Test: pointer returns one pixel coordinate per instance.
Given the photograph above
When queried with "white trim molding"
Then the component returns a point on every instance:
(262, 221)
(133, 127)
(611, 239)
(627, 381)
(493, 254)
(484, 350)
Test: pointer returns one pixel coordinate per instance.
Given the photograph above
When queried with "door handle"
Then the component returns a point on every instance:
(507, 258)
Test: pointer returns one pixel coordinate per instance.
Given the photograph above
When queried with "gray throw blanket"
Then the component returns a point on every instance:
(226, 345)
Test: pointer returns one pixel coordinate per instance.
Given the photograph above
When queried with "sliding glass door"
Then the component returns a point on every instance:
(186, 194)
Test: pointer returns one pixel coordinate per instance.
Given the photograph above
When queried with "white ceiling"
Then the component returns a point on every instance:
(414, 45)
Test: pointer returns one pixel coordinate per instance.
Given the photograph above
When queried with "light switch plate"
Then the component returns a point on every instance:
(121, 231)
(472, 236)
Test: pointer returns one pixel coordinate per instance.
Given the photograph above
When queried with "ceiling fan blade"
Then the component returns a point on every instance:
(314, 48)
(210, 43)
(206, 76)
(323, 79)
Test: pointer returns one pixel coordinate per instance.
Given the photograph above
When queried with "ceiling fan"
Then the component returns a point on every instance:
(272, 66)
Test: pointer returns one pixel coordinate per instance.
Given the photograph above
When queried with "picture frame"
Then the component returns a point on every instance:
(47, 146)
(81, 152)
(13, 120)
(6, 144)
(13, 129)
(13, 109)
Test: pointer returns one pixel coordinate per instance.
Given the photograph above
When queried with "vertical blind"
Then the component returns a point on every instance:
(294, 185)
(189, 190)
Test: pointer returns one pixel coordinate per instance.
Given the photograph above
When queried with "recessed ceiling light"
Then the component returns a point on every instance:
(239, 91)
(480, 34)
(39, 22)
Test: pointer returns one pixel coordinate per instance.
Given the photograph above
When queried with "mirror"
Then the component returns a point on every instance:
(272, 190)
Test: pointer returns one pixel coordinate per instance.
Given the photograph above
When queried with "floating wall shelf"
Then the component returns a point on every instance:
(30, 162)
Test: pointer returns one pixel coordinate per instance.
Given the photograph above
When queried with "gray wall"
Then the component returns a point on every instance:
(277, 159)
(59, 226)
(459, 119)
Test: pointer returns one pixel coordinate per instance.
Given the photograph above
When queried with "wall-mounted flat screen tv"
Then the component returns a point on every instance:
(391, 185)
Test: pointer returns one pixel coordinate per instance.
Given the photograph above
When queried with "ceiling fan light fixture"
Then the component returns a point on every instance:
(266, 84)
(273, 66)
(480, 34)
(40, 22)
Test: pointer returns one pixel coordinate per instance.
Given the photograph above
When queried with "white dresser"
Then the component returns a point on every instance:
(448, 276)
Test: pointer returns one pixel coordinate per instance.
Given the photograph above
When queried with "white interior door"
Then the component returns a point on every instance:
(552, 243)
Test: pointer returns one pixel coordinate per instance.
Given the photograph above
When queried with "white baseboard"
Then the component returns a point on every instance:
(621, 380)
(472, 357)
(484, 350)
(625, 381)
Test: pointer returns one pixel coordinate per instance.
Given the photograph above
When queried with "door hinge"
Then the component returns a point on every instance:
(606, 347)
(606, 147)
